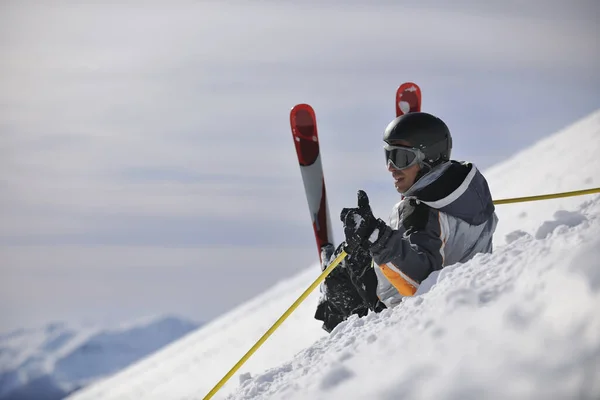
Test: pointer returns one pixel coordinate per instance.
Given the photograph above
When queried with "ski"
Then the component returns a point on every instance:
(303, 123)
(408, 98)
(306, 140)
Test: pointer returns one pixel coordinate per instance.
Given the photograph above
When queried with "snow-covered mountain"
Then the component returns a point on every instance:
(57, 359)
(522, 323)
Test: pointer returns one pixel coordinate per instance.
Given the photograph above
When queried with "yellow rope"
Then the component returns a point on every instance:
(272, 329)
(548, 196)
(335, 263)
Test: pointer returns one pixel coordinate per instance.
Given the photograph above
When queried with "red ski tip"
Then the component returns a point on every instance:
(304, 130)
(408, 98)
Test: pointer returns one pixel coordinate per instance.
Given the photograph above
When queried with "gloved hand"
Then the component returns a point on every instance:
(349, 289)
(339, 298)
(361, 228)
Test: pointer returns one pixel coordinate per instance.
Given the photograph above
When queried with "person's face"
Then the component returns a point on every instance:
(403, 178)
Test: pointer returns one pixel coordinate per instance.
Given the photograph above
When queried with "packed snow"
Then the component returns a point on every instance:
(52, 361)
(521, 323)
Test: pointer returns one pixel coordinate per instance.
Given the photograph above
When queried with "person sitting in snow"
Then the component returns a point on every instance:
(446, 216)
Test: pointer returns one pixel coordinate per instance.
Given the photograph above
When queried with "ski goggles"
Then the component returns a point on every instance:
(402, 157)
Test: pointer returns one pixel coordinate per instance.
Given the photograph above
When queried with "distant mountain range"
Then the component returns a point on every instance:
(55, 360)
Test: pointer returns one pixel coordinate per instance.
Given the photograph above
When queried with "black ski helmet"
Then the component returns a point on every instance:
(422, 131)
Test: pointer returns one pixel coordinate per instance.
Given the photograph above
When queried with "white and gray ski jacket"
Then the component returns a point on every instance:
(446, 217)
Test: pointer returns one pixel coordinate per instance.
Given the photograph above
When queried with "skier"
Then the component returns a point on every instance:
(446, 216)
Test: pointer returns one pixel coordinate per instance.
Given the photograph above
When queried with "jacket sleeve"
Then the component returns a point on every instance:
(408, 255)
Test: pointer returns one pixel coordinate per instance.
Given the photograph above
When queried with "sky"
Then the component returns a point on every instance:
(146, 161)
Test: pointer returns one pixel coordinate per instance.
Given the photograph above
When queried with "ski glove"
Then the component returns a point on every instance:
(349, 289)
(361, 228)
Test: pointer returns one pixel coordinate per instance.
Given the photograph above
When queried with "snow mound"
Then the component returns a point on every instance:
(52, 361)
(522, 323)
(565, 161)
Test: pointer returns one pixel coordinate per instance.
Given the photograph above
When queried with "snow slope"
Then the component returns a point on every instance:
(192, 365)
(521, 323)
(52, 361)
